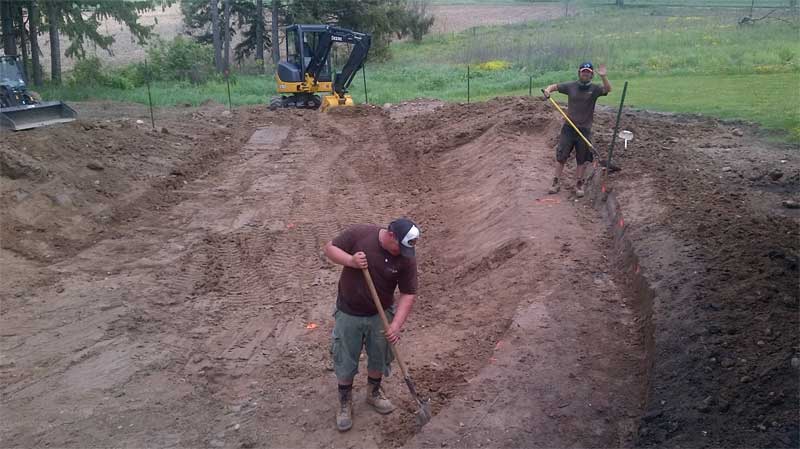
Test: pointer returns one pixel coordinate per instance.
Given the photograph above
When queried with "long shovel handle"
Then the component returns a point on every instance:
(570, 122)
(378, 306)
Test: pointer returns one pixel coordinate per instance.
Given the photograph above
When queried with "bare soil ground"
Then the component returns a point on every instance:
(167, 23)
(703, 208)
(167, 288)
(455, 18)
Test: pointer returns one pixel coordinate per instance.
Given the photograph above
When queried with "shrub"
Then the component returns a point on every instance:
(88, 71)
(180, 59)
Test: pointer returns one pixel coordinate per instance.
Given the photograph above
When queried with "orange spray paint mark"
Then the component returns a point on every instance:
(621, 222)
(311, 326)
(548, 200)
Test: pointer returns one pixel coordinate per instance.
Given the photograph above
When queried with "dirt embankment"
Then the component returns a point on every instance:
(703, 204)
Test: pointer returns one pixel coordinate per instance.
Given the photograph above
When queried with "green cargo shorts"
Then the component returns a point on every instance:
(351, 334)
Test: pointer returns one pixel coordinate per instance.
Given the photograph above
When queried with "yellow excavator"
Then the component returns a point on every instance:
(306, 72)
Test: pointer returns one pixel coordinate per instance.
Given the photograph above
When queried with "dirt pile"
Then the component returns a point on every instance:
(65, 187)
(706, 218)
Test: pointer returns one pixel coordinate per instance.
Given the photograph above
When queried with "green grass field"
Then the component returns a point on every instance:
(683, 60)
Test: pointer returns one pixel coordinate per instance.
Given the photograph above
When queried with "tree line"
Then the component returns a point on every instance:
(23, 21)
(212, 22)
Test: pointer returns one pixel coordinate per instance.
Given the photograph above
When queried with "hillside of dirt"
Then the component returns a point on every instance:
(166, 287)
(705, 208)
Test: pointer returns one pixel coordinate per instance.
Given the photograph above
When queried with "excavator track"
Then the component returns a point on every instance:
(297, 101)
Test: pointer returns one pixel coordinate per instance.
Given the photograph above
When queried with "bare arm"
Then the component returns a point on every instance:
(404, 304)
(342, 257)
(603, 76)
(606, 84)
(550, 89)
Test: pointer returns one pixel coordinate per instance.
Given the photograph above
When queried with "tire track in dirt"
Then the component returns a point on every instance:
(331, 196)
(102, 332)
(272, 265)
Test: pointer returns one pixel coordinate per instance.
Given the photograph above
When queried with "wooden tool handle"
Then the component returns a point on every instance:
(378, 306)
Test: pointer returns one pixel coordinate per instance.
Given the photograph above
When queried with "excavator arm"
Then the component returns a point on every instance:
(361, 43)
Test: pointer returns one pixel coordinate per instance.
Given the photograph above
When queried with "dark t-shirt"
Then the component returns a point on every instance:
(581, 102)
(387, 271)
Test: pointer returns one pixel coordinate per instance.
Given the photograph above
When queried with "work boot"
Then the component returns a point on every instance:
(579, 190)
(555, 187)
(344, 416)
(378, 400)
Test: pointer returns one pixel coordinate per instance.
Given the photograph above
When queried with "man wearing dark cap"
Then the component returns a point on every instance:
(582, 97)
(389, 255)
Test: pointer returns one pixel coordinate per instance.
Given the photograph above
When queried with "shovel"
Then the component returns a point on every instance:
(423, 415)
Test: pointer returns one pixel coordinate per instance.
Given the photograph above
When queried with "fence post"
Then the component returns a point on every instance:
(530, 86)
(228, 81)
(364, 72)
(616, 128)
(467, 84)
(149, 95)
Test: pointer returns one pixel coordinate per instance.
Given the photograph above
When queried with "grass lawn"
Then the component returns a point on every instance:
(771, 100)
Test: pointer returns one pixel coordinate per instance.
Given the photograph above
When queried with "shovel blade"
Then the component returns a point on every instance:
(423, 415)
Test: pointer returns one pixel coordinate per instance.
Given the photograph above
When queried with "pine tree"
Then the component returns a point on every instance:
(33, 32)
(9, 34)
(244, 18)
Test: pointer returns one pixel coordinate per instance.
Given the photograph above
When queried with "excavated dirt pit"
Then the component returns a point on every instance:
(166, 288)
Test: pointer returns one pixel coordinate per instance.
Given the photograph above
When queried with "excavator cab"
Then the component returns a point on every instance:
(306, 72)
(305, 39)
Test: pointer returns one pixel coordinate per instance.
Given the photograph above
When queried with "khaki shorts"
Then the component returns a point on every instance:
(351, 334)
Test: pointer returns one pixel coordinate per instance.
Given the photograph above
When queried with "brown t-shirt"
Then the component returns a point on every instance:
(581, 102)
(387, 271)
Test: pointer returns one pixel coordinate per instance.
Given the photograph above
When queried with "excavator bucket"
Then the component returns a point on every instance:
(333, 101)
(30, 116)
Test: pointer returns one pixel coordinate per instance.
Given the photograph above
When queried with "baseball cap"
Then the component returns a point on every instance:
(407, 234)
(586, 66)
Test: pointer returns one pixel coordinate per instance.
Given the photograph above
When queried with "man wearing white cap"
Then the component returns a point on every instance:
(389, 255)
(582, 95)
